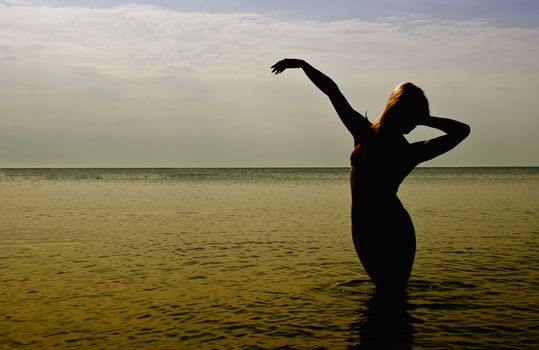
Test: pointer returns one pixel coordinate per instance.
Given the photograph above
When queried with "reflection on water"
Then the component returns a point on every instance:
(385, 323)
(260, 259)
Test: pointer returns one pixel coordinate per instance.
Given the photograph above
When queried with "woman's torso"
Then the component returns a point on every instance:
(378, 168)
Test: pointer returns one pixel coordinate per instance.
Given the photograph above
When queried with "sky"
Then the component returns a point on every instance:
(188, 83)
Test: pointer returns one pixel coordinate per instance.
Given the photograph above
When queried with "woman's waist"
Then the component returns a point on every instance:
(379, 215)
(373, 193)
(365, 201)
(373, 183)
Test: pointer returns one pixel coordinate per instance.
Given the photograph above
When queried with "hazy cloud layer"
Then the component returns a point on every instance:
(139, 85)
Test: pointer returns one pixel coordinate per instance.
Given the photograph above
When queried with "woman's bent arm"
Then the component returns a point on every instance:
(428, 149)
(356, 123)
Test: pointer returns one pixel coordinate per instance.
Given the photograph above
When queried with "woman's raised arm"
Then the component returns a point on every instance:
(356, 123)
(428, 149)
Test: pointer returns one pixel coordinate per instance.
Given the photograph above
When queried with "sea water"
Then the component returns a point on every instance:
(260, 259)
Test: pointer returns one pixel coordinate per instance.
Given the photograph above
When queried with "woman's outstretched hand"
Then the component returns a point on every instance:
(280, 66)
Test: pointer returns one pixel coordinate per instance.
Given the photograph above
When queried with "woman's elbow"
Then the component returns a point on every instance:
(464, 131)
(330, 89)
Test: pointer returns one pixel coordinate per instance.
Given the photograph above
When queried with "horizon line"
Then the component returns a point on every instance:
(256, 167)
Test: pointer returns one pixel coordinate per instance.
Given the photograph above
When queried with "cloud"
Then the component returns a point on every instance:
(139, 68)
(14, 3)
(142, 40)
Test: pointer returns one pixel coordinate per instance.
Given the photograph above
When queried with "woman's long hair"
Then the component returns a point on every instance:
(406, 101)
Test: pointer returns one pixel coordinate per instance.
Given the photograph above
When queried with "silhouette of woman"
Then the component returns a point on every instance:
(382, 229)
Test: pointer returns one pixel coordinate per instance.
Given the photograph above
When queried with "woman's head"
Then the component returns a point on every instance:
(404, 110)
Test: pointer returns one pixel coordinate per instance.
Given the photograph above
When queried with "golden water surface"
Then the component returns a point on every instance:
(260, 259)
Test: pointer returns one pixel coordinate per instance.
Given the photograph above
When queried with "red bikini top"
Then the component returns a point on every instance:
(355, 155)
